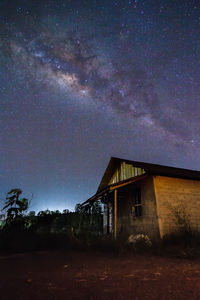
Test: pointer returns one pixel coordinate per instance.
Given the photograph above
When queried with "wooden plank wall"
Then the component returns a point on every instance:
(125, 171)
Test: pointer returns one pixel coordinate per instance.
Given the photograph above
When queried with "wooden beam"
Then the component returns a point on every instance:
(115, 214)
(108, 218)
(134, 179)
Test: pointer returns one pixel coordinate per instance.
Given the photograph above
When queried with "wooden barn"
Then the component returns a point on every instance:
(146, 198)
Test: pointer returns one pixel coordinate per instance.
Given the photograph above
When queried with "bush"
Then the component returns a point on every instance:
(139, 242)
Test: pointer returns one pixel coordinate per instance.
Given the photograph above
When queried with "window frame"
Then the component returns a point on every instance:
(137, 203)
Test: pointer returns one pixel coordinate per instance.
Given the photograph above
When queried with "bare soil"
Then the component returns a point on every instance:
(83, 275)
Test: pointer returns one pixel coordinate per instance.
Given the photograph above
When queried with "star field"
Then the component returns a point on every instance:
(85, 80)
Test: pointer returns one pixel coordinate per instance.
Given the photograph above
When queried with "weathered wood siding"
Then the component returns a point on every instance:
(148, 222)
(178, 203)
(125, 171)
(108, 218)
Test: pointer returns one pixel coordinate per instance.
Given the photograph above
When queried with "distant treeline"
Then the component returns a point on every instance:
(56, 222)
(21, 230)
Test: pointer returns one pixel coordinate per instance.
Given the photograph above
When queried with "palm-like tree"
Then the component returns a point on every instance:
(14, 205)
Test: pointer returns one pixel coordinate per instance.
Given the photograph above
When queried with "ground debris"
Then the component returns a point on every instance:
(65, 266)
(29, 280)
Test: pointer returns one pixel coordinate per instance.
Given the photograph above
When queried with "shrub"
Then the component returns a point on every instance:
(139, 242)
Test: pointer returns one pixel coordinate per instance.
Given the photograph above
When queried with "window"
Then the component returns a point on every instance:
(137, 205)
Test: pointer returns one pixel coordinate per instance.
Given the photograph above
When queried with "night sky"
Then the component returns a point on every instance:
(81, 81)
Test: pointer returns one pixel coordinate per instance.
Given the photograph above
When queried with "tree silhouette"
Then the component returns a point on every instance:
(14, 206)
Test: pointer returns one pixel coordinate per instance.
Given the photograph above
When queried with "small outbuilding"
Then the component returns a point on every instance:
(147, 198)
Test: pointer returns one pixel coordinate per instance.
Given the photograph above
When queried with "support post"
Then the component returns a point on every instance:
(115, 214)
(108, 218)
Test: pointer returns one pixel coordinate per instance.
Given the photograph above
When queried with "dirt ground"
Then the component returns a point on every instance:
(76, 275)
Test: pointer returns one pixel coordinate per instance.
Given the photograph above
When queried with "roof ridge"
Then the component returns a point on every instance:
(151, 164)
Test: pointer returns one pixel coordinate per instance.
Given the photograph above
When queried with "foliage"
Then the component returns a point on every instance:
(48, 229)
(15, 207)
(2, 219)
(94, 208)
(78, 208)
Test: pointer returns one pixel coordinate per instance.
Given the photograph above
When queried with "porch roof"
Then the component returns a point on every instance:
(112, 187)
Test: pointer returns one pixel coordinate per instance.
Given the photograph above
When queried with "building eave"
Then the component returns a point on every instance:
(112, 187)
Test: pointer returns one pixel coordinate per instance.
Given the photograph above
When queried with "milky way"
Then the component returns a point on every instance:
(96, 78)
